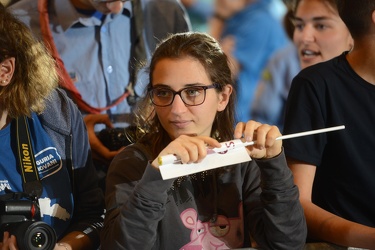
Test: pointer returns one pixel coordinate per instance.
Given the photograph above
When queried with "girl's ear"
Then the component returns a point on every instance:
(7, 68)
(224, 97)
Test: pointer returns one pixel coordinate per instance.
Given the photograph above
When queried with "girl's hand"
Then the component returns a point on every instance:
(188, 148)
(266, 145)
(9, 242)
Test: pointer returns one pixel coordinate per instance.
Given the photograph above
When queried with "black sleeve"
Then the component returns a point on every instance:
(304, 112)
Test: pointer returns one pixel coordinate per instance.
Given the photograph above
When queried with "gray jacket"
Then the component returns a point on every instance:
(256, 198)
(63, 122)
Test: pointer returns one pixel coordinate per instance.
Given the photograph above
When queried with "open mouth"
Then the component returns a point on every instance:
(309, 53)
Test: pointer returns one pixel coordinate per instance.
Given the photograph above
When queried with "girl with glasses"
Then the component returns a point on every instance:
(189, 106)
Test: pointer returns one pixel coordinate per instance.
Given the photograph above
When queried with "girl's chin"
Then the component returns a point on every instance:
(178, 134)
(311, 61)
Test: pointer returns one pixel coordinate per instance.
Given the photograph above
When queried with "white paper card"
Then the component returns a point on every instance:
(216, 160)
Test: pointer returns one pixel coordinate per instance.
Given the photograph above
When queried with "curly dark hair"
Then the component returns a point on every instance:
(34, 77)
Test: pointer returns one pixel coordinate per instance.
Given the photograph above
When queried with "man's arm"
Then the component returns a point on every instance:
(100, 152)
(323, 225)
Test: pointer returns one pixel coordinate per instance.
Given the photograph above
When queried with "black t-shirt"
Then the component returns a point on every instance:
(331, 94)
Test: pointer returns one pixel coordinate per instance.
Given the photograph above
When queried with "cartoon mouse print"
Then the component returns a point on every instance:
(224, 233)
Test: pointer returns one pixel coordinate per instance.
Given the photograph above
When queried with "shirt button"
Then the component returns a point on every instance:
(110, 69)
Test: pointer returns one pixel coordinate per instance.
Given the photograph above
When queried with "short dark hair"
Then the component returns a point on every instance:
(357, 15)
(332, 3)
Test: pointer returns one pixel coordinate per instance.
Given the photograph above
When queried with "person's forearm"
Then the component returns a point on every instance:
(132, 217)
(326, 226)
(276, 176)
(216, 27)
(283, 221)
(75, 241)
(282, 224)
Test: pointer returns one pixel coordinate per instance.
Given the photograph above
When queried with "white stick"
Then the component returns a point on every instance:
(169, 159)
(311, 132)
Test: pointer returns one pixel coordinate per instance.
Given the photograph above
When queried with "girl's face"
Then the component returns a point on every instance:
(319, 33)
(178, 118)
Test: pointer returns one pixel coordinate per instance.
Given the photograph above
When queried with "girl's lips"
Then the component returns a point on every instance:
(309, 57)
(180, 124)
(309, 53)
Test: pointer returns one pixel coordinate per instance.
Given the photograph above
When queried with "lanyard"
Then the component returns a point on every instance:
(30, 176)
(65, 80)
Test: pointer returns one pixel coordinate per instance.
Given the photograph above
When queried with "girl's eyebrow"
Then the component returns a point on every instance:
(314, 19)
(163, 85)
(160, 85)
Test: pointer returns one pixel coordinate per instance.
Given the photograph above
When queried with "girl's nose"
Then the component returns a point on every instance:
(307, 34)
(178, 106)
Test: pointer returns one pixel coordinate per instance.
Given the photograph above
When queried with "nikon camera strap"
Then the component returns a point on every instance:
(31, 183)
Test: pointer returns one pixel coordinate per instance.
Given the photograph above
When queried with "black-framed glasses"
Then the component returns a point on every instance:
(110, 1)
(191, 96)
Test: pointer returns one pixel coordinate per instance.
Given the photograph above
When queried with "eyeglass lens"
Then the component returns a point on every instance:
(191, 96)
(110, 1)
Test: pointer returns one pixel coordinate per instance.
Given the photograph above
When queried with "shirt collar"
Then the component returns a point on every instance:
(68, 16)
